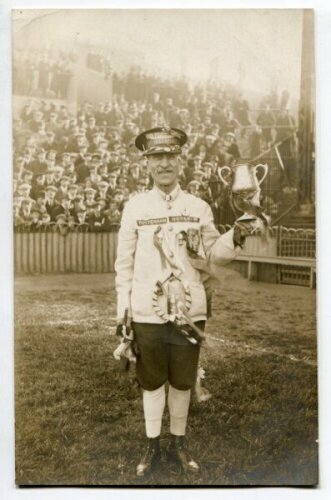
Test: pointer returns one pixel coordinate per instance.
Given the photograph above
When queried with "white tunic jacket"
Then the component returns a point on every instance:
(139, 264)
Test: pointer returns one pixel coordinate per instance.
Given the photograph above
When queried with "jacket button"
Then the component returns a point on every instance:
(170, 228)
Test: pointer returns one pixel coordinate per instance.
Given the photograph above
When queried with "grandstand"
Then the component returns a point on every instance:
(77, 111)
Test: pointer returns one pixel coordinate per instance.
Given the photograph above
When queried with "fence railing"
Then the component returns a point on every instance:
(43, 252)
(73, 252)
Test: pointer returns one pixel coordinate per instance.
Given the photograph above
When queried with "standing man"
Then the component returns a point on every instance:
(167, 241)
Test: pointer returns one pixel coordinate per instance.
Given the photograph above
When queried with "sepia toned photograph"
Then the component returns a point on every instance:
(164, 247)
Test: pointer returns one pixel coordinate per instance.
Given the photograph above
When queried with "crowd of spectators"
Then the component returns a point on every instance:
(96, 60)
(42, 72)
(77, 172)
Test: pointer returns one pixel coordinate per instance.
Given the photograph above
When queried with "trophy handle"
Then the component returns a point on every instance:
(220, 170)
(266, 170)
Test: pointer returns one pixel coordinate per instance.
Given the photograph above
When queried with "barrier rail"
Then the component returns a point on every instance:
(43, 252)
(74, 252)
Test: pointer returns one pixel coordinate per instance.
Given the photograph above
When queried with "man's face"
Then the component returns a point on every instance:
(41, 201)
(66, 160)
(81, 217)
(81, 141)
(89, 196)
(50, 194)
(64, 185)
(49, 178)
(207, 170)
(209, 142)
(65, 203)
(193, 190)
(164, 168)
(26, 208)
(122, 182)
(135, 171)
(112, 180)
(95, 177)
(118, 198)
(40, 180)
(72, 193)
(45, 219)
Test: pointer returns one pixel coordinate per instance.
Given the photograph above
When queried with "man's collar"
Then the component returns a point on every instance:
(168, 197)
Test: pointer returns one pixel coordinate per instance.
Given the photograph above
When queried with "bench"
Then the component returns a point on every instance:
(253, 260)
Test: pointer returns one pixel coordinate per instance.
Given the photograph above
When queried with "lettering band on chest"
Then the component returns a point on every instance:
(150, 222)
(183, 218)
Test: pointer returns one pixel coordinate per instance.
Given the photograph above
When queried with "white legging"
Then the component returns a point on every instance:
(154, 403)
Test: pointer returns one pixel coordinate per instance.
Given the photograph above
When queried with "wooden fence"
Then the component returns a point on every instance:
(44, 252)
(74, 252)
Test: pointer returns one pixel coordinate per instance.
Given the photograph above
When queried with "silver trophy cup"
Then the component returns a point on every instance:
(245, 187)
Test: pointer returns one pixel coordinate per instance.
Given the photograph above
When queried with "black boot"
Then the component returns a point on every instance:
(150, 458)
(178, 451)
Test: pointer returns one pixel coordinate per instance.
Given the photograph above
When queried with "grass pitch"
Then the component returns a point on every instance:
(79, 419)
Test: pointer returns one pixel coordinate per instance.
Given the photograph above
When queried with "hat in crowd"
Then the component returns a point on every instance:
(89, 190)
(230, 134)
(60, 216)
(58, 168)
(198, 173)
(65, 178)
(28, 173)
(207, 164)
(96, 204)
(79, 197)
(40, 172)
(103, 184)
(161, 140)
(134, 165)
(24, 185)
(41, 194)
(193, 184)
(96, 157)
(141, 181)
(112, 174)
(51, 188)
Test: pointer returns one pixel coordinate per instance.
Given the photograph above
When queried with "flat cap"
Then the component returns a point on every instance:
(51, 188)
